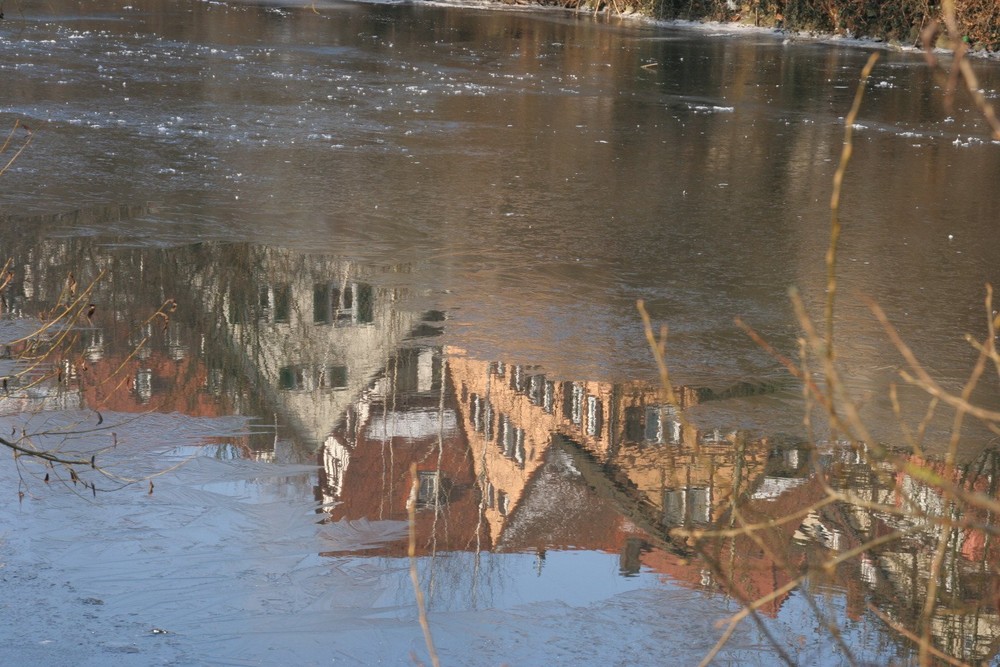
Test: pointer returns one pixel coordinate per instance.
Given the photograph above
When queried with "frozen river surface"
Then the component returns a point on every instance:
(415, 235)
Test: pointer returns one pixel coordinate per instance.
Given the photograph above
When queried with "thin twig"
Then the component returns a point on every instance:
(414, 576)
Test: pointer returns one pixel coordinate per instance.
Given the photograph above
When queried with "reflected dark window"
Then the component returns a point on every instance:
(275, 303)
(237, 309)
(418, 370)
(630, 563)
(633, 424)
(364, 303)
(322, 311)
(332, 304)
(343, 303)
(549, 397)
(264, 299)
(674, 507)
(283, 303)
(292, 378)
(333, 377)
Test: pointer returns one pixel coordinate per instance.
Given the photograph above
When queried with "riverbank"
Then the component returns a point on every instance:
(899, 24)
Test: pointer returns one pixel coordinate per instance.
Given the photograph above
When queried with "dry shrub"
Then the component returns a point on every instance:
(964, 501)
(900, 21)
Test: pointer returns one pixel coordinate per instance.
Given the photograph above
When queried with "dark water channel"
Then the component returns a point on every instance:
(403, 235)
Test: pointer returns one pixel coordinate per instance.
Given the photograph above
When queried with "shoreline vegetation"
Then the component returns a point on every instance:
(906, 23)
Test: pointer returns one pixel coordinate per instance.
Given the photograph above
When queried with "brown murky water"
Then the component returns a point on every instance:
(401, 234)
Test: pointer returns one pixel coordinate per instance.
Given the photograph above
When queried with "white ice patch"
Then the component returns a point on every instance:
(710, 108)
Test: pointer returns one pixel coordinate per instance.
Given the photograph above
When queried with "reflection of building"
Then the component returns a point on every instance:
(614, 467)
(405, 418)
(968, 621)
(309, 330)
(507, 458)
(676, 475)
(290, 338)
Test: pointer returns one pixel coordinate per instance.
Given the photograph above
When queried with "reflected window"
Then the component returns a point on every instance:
(236, 308)
(517, 379)
(549, 397)
(282, 303)
(94, 350)
(418, 370)
(489, 495)
(332, 303)
(793, 458)
(630, 563)
(429, 489)
(293, 378)
(488, 421)
(333, 377)
(712, 437)
(654, 427)
(595, 416)
(176, 347)
(264, 302)
(348, 303)
(701, 505)
(144, 384)
(671, 424)
(662, 425)
(673, 507)
(573, 402)
(275, 303)
(511, 441)
(633, 424)
(503, 503)
(519, 453)
(428, 369)
(476, 412)
(505, 441)
(536, 387)
(214, 381)
(683, 507)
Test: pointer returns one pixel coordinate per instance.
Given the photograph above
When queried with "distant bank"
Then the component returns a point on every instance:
(899, 21)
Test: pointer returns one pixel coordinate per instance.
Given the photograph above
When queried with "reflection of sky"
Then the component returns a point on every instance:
(506, 581)
(224, 557)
